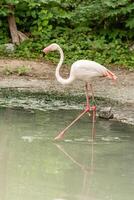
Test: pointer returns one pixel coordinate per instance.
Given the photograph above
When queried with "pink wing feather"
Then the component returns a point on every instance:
(110, 75)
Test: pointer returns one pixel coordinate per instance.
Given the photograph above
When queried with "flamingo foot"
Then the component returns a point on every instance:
(87, 109)
(59, 136)
(93, 108)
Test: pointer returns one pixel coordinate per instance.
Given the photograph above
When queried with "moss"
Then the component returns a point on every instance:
(48, 96)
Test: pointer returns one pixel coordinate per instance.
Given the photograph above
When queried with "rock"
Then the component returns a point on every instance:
(9, 47)
(105, 112)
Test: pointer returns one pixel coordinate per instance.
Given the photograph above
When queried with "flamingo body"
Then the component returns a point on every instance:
(85, 70)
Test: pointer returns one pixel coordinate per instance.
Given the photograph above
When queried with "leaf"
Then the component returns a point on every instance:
(130, 23)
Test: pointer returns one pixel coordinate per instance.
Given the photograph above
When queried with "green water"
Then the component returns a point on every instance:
(34, 167)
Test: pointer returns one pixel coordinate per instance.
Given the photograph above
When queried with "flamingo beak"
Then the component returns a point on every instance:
(45, 50)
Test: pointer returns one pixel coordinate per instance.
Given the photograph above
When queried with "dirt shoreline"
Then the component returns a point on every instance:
(41, 79)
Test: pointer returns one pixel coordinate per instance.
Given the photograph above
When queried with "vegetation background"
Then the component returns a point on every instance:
(86, 29)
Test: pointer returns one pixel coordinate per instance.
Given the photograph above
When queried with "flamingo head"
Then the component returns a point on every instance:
(51, 47)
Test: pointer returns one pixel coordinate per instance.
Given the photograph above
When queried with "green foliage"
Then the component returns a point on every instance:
(8, 71)
(97, 30)
(20, 71)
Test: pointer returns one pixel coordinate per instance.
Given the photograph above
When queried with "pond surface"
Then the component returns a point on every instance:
(33, 166)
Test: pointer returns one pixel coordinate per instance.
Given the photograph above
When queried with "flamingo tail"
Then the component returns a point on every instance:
(110, 75)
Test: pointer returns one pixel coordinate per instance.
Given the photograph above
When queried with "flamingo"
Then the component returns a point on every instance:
(85, 70)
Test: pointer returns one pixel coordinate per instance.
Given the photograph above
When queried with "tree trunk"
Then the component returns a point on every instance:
(13, 27)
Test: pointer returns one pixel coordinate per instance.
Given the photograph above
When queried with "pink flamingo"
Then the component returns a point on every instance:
(85, 70)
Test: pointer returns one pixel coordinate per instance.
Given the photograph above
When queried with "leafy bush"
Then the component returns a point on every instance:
(97, 30)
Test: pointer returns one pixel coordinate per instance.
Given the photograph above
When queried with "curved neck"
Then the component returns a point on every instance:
(57, 72)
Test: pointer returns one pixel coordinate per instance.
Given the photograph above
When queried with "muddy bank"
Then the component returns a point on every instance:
(40, 84)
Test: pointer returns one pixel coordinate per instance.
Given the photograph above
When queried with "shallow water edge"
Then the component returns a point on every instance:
(28, 98)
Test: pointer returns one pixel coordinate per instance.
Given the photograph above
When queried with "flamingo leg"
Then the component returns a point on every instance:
(93, 124)
(87, 96)
(91, 87)
(87, 109)
(61, 134)
(93, 106)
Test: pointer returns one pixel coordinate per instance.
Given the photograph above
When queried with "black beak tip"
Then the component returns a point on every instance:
(43, 53)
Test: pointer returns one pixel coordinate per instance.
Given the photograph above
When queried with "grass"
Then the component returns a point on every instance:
(20, 71)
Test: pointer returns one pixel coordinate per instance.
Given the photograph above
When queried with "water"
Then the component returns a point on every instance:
(33, 166)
